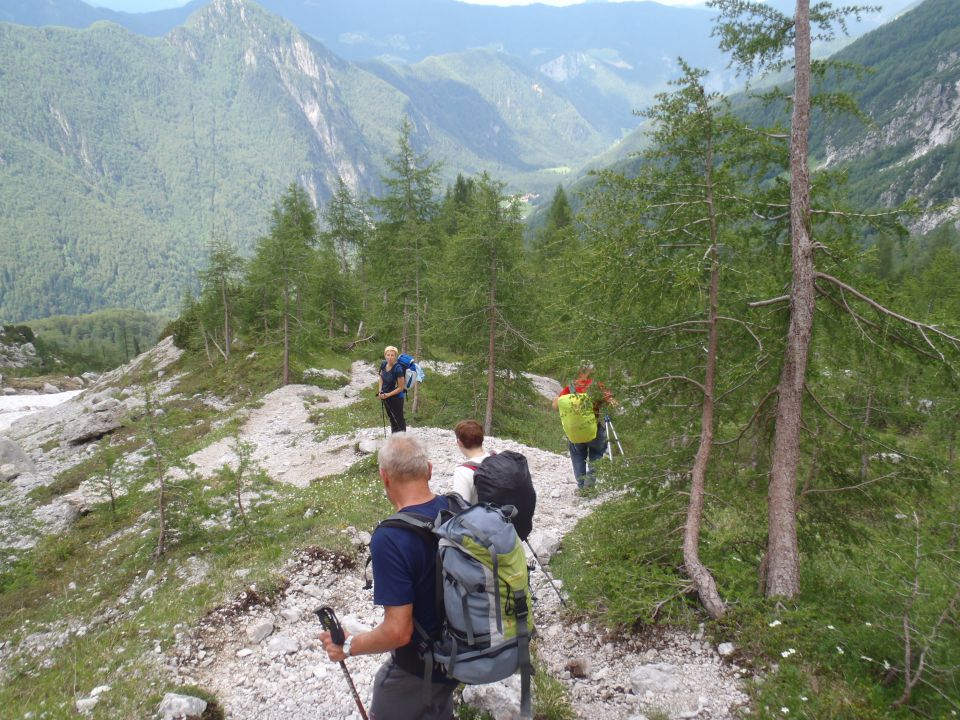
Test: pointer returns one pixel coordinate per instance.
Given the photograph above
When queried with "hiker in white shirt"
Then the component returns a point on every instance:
(470, 441)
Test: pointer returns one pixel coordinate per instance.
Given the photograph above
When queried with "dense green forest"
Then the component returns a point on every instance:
(73, 344)
(99, 341)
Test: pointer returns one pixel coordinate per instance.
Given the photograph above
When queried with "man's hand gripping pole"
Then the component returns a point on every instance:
(328, 619)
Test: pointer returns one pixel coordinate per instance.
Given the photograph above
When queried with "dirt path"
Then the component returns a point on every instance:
(267, 663)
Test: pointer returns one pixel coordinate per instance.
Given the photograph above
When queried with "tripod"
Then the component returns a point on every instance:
(612, 433)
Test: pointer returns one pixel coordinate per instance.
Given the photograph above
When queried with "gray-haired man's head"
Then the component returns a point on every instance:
(404, 457)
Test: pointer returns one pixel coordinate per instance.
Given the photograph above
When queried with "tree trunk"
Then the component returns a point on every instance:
(492, 346)
(226, 320)
(783, 557)
(206, 344)
(864, 451)
(417, 344)
(286, 338)
(702, 578)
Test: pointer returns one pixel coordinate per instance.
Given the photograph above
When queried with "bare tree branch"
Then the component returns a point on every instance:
(746, 326)
(922, 328)
(826, 412)
(771, 301)
(858, 318)
(665, 378)
(849, 487)
(753, 417)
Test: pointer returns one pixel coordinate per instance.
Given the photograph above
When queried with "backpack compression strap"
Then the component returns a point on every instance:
(523, 646)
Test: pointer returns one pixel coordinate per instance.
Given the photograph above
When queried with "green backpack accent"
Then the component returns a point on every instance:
(577, 416)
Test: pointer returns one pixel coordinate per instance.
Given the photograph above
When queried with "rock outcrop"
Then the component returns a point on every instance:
(13, 460)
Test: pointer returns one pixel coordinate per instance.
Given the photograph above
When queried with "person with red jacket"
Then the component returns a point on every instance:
(584, 455)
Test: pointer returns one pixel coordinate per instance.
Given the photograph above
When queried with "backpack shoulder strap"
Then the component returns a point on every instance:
(476, 465)
(457, 503)
(420, 524)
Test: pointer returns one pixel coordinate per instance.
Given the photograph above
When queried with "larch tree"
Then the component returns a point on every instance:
(220, 286)
(663, 240)
(406, 233)
(761, 38)
(486, 294)
(279, 274)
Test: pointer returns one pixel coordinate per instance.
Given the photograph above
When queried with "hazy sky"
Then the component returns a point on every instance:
(147, 5)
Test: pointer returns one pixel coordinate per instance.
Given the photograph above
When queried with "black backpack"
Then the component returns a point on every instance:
(504, 479)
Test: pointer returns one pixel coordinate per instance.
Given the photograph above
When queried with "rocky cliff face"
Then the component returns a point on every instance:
(274, 56)
(910, 147)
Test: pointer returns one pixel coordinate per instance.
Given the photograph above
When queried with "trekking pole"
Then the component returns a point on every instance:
(612, 430)
(383, 416)
(549, 579)
(328, 619)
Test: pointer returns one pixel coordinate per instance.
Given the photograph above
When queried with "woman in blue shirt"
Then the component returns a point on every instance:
(390, 388)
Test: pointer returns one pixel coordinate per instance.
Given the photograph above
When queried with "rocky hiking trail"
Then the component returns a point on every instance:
(263, 660)
(267, 662)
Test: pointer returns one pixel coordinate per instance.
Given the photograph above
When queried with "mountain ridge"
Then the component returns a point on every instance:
(122, 155)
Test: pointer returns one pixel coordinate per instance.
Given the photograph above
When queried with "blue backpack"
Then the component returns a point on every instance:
(412, 372)
(483, 594)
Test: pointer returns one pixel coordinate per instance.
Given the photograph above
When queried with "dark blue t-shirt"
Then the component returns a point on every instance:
(404, 567)
(390, 377)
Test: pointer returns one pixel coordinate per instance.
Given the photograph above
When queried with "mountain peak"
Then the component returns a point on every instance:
(231, 13)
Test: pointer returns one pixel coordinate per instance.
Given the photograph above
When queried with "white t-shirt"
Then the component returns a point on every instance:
(463, 479)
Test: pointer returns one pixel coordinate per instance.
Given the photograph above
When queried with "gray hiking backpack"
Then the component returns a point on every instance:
(483, 590)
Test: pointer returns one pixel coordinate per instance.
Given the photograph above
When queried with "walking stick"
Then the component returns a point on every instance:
(383, 416)
(550, 579)
(328, 619)
(612, 430)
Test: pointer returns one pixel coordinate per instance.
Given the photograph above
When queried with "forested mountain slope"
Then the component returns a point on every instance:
(121, 156)
(905, 79)
(911, 147)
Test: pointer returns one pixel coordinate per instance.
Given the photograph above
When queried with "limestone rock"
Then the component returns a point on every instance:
(656, 678)
(260, 630)
(174, 707)
(110, 392)
(282, 645)
(369, 446)
(13, 460)
(579, 667)
(61, 513)
(91, 426)
(501, 700)
(544, 543)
